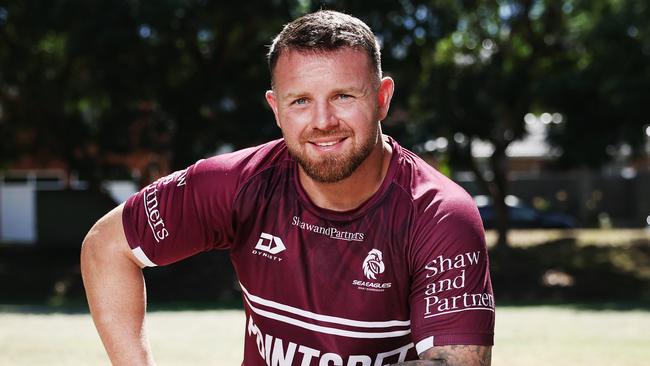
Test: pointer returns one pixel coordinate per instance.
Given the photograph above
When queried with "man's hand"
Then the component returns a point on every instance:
(453, 356)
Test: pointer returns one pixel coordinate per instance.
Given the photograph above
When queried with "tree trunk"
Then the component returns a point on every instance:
(496, 187)
(498, 191)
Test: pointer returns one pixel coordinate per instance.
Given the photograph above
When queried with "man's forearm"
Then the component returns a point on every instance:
(459, 355)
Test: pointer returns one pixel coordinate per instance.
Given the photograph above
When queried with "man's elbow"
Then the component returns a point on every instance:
(105, 242)
(89, 248)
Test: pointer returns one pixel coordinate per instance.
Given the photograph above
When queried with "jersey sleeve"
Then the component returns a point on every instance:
(182, 214)
(452, 302)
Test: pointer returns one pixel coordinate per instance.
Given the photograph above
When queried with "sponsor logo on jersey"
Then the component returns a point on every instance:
(372, 267)
(447, 293)
(276, 351)
(152, 211)
(151, 204)
(178, 177)
(332, 232)
(268, 246)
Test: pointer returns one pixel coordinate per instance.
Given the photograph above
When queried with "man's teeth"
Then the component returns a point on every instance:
(324, 144)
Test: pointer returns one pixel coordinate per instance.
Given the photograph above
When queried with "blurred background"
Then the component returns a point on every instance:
(539, 108)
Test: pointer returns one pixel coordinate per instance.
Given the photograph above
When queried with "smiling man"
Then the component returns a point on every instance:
(349, 249)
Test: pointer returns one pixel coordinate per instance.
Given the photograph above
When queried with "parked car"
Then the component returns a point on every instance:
(522, 215)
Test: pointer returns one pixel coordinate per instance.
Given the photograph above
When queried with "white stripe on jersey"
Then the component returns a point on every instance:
(424, 345)
(322, 329)
(139, 253)
(324, 318)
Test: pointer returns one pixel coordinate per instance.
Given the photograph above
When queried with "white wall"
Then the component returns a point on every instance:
(18, 213)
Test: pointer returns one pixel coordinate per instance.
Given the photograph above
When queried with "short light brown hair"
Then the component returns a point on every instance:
(325, 31)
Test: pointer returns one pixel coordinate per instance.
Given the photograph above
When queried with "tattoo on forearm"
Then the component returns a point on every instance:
(453, 356)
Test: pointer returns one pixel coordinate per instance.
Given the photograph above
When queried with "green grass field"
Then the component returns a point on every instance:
(525, 336)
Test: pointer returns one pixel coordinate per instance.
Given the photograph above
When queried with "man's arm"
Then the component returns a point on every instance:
(116, 292)
(453, 356)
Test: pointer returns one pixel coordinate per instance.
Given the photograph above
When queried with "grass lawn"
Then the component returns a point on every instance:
(525, 336)
(532, 336)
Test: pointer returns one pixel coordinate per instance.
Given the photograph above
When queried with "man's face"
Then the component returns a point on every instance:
(328, 106)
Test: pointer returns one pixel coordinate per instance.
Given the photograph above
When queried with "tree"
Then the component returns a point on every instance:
(506, 59)
(78, 71)
(480, 81)
(603, 82)
(75, 72)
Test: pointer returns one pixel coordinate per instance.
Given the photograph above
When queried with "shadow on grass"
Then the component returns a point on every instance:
(47, 280)
(596, 277)
(44, 309)
(619, 306)
(562, 272)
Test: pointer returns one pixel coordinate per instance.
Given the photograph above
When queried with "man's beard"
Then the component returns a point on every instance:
(333, 168)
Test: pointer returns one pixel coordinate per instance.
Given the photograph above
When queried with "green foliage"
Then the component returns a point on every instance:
(588, 60)
(78, 71)
(602, 85)
(75, 71)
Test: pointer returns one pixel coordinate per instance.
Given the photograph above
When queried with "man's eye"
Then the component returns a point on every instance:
(345, 96)
(300, 101)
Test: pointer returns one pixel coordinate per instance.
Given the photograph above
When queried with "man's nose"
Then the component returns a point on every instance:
(324, 117)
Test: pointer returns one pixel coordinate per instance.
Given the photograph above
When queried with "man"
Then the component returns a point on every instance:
(349, 249)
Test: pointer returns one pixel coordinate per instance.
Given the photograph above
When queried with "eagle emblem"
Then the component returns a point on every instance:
(373, 264)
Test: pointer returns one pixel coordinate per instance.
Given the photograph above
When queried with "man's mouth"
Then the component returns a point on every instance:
(329, 143)
(326, 144)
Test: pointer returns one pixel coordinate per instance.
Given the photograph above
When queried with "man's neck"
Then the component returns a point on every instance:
(353, 191)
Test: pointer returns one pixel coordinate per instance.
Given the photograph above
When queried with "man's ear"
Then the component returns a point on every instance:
(273, 103)
(384, 96)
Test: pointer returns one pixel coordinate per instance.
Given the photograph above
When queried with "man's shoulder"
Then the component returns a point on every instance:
(247, 162)
(426, 186)
(444, 214)
(228, 173)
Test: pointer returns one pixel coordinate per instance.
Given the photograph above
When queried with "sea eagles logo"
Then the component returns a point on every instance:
(373, 264)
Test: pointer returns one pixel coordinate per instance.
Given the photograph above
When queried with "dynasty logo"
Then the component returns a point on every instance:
(268, 246)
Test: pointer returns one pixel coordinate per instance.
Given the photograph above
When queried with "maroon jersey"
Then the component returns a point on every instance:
(405, 271)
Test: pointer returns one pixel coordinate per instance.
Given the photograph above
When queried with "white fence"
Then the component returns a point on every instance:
(19, 200)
